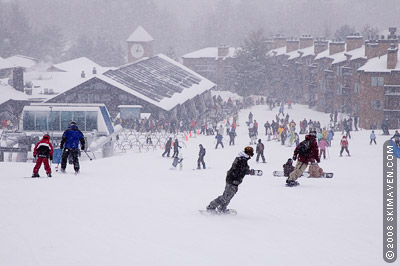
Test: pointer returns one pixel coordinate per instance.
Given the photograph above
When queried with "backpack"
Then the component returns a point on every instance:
(304, 148)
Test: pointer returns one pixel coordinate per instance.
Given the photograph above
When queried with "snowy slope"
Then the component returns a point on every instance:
(132, 210)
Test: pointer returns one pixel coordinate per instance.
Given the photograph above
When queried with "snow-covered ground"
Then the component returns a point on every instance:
(132, 210)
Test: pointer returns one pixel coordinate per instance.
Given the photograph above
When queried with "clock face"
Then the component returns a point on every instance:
(137, 50)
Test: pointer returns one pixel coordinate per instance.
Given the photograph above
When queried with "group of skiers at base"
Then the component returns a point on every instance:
(44, 150)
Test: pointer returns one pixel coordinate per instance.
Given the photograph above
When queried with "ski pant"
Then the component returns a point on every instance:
(201, 160)
(232, 141)
(75, 160)
(262, 156)
(219, 142)
(344, 148)
(222, 201)
(39, 162)
(322, 152)
(167, 151)
(372, 140)
(298, 171)
(176, 153)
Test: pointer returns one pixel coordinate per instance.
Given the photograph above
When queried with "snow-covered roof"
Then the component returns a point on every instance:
(75, 65)
(9, 93)
(158, 80)
(210, 52)
(277, 51)
(379, 64)
(301, 52)
(22, 61)
(5, 64)
(140, 35)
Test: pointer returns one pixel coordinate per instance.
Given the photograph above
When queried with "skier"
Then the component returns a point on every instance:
(43, 150)
(344, 144)
(322, 144)
(167, 147)
(219, 138)
(202, 153)
(69, 144)
(250, 117)
(176, 149)
(260, 151)
(372, 137)
(288, 167)
(281, 108)
(396, 138)
(305, 155)
(234, 177)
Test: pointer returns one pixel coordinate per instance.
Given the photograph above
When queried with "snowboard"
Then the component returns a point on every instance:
(258, 172)
(232, 212)
(305, 174)
(295, 185)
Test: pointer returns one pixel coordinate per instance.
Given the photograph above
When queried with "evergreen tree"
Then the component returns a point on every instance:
(344, 31)
(251, 65)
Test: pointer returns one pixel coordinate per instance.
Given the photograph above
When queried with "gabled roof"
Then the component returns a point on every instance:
(5, 64)
(158, 80)
(301, 53)
(75, 65)
(9, 93)
(140, 35)
(277, 51)
(210, 52)
(22, 61)
(379, 64)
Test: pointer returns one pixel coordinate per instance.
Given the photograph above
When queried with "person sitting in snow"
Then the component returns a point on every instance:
(288, 167)
(315, 171)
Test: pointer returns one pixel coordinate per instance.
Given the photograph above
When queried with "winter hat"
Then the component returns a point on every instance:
(344, 137)
(46, 136)
(72, 123)
(259, 141)
(249, 151)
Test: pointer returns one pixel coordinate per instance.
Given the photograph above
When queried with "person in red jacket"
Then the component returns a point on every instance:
(344, 144)
(42, 152)
(304, 157)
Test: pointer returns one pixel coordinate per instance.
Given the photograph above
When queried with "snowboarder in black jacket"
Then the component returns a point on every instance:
(176, 148)
(234, 178)
(202, 153)
(260, 151)
(167, 147)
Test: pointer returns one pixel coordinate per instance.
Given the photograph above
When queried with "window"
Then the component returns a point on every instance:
(29, 120)
(377, 81)
(339, 71)
(41, 121)
(79, 118)
(356, 87)
(338, 90)
(54, 121)
(91, 121)
(66, 118)
(376, 105)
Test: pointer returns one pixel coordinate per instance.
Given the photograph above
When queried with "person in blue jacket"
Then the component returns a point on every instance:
(70, 146)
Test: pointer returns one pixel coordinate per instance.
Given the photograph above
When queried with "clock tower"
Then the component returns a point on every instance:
(140, 44)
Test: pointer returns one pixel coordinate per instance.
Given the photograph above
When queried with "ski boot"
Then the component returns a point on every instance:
(35, 175)
(49, 175)
(292, 183)
(62, 170)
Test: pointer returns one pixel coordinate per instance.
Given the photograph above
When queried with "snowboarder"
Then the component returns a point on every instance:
(288, 167)
(202, 153)
(167, 147)
(69, 144)
(372, 137)
(234, 177)
(260, 151)
(396, 138)
(306, 152)
(219, 138)
(43, 151)
(344, 144)
(176, 149)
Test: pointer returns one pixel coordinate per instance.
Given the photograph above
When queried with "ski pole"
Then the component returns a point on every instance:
(88, 155)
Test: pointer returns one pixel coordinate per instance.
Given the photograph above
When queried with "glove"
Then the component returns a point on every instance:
(83, 147)
(34, 156)
(252, 172)
(294, 157)
(62, 147)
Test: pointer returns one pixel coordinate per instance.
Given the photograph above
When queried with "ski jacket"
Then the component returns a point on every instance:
(176, 145)
(313, 155)
(287, 169)
(239, 169)
(322, 144)
(372, 136)
(202, 152)
(219, 137)
(71, 138)
(168, 144)
(396, 136)
(43, 148)
(344, 142)
(259, 148)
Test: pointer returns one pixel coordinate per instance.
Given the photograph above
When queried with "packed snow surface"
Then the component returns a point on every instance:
(131, 209)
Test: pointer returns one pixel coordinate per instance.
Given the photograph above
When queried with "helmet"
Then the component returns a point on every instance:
(72, 123)
(313, 133)
(249, 151)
